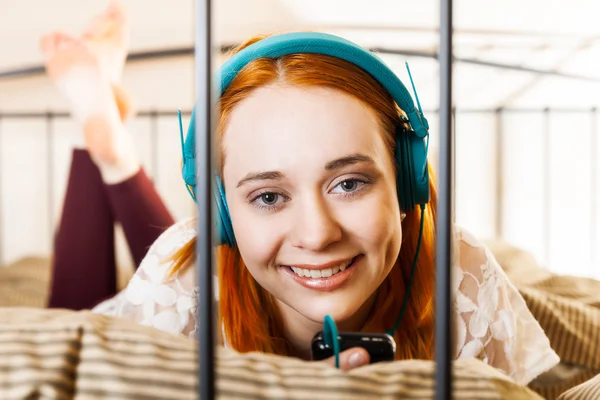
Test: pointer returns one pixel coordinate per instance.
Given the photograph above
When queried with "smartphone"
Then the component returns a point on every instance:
(380, 346)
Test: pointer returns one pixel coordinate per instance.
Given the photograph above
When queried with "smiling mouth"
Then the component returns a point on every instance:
(323, 279)
(322, 273)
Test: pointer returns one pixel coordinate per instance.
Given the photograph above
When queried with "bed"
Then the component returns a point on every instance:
(60, 354)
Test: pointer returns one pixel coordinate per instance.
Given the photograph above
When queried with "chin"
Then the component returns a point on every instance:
(317, 310)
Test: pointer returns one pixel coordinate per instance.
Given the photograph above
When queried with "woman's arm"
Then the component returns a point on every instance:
(493, 322)
(153, 300)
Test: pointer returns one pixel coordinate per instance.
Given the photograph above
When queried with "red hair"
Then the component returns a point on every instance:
(247, 312)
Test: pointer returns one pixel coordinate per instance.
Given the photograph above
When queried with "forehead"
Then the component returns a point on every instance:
(283, 127)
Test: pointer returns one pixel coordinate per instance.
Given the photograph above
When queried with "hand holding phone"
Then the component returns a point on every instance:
(380, 346)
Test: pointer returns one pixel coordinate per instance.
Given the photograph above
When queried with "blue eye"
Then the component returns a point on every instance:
(349, 186)
(269, 199)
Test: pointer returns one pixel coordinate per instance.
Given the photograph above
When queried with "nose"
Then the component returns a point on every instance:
(315, 226)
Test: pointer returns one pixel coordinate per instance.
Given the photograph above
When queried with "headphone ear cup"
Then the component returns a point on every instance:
(403, 163)
(419, 173)
(222, 220)
(223, 229)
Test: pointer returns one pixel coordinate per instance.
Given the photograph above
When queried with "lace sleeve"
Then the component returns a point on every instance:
(152, 300)
(492, 319)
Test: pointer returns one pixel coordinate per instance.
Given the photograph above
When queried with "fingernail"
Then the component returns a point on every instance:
(357, 359)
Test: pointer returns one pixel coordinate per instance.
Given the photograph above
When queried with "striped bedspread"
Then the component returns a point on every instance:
(56, 354)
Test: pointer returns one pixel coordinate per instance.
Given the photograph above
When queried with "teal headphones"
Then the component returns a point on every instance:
(411, 143)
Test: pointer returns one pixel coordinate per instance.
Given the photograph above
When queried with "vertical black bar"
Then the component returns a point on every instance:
(594, 188)
(154, 145)
(203, 114)
(443, 334)
(499, 158)
(50, 172)
(546, 137)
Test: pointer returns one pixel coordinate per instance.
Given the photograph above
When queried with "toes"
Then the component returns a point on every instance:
(108, 22)
(116, 18)
(55, 41)
(116, 9)
(64, 41)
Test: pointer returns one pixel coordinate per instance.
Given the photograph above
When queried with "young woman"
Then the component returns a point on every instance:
(307, 149)
(307, 161)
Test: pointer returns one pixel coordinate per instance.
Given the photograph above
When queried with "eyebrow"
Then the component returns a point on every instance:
(331, 165)
(348, 160)
(260, 176)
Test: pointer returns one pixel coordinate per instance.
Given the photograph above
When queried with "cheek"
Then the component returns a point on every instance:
(380, 228)
(258, 239)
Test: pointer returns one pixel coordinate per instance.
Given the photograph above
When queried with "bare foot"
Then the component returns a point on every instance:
(108, 37)
(63, 53)
(75, 69)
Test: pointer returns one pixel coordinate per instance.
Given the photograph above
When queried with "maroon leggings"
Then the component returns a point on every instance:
(84, 265)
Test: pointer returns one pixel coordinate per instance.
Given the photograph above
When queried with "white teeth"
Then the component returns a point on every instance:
(321, 273)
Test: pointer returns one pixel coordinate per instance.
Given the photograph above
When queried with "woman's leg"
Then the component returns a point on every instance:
(84, 269)
(134, 201)
(137, 206)
(84, 70)
(133, 198)
(106, 183)
(83, 266)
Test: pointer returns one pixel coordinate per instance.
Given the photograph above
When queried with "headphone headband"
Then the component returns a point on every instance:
(329, 45)
(411, 153)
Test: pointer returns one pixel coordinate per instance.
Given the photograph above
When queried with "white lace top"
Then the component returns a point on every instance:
(493, 322)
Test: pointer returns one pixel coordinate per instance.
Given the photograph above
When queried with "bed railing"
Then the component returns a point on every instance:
(546, 153)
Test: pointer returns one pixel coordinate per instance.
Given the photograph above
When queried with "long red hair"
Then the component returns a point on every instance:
(247, 312)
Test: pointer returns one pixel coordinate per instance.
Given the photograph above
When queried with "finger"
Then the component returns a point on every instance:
(351, 358)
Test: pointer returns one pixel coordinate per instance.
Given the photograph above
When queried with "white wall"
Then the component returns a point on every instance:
(549, 180)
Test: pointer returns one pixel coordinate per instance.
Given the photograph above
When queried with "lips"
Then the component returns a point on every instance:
(324, 278)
